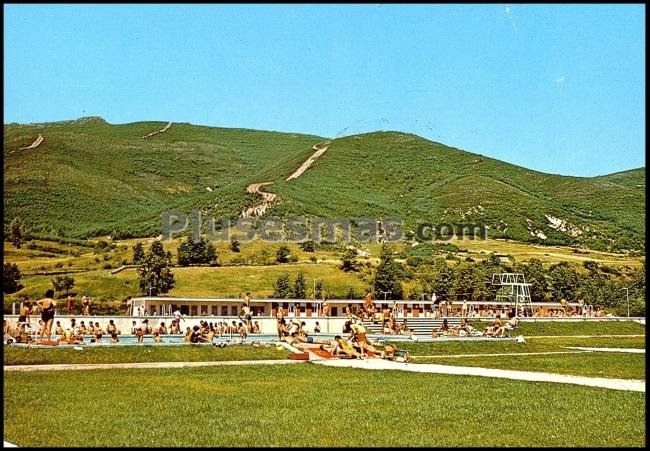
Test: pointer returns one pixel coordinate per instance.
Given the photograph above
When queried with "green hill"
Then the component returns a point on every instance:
(405, 176)
(89, 178)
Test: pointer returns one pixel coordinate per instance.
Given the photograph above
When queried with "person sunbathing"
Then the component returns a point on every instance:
(511, 324)
(491, 331)
(59, 329)
(443, 330)
(344, 347)
(391, 352)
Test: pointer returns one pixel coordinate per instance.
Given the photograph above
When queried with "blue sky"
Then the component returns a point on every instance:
(556, 88)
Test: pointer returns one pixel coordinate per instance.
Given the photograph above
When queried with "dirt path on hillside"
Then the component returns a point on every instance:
(162, 130)
(35, 144)
(303, 167)
(258, 210)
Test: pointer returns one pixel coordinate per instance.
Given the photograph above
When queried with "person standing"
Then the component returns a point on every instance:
(246, 312)
(47, 305)
(25, 310)
(178, 316)
(85, 306)
(70, 304)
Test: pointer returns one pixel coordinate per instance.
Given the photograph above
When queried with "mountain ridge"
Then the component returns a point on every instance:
(86, 165)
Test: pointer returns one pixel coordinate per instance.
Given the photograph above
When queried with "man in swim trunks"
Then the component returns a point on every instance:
(25, 310)
(358, 334)
(369, 303)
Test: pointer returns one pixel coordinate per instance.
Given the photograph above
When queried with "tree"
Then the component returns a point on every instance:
(300, 286)
(154, 274)
(282, 254)
(202, 251)
(535, 274)
(308, 246)
(469, 283)
(17, 232)
(63, 283)
(388, 276)
(282, 286)
(138, 253)
(349, 260)
(318, 294)
(234, 245)
(351, 294)
(563, 280)
(11, 278)
(436, 278)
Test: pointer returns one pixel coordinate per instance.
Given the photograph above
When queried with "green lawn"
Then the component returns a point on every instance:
(147, 353)
(592, 364)
(596, 364)
(310, 405)
(233, 281)
(581, 328)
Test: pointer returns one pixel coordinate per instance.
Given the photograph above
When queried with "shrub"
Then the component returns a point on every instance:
(282, 254)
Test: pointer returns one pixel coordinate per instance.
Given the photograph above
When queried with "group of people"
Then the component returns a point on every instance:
(204, 332)
(358, 345)
(355, 345)
(85, 305)
(465, 329)
(293, 329)
(23, 331)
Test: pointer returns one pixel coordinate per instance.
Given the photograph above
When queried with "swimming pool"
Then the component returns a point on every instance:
(179, 340)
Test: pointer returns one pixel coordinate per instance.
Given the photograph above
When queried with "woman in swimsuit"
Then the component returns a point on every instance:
(47, 306)
(279, 316)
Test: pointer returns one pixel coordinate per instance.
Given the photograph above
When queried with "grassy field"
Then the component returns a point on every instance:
(595, 364)
(308, 405)
(569, 328)
(146, 353)
(546, 254)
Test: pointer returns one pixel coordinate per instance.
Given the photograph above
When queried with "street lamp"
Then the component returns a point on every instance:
(394, 303)
(627, 297)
